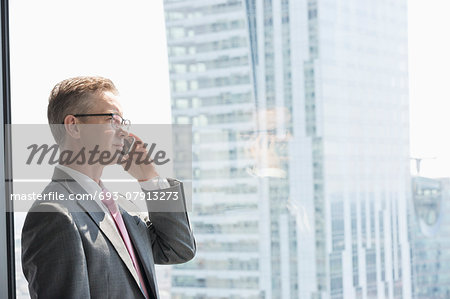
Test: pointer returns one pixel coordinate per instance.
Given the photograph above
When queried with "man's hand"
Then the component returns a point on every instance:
(143, 170)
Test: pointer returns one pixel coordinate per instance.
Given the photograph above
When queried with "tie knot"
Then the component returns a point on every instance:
(106, 194)
(108, 201)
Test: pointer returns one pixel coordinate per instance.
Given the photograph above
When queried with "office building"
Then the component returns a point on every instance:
(300, 146)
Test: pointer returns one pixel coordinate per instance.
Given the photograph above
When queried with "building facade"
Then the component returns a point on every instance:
(300, 146)
(429, 233)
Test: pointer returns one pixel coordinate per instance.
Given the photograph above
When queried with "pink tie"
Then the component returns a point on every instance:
(115, 213)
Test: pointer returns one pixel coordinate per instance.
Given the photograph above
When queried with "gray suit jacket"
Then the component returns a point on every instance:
(71, 250)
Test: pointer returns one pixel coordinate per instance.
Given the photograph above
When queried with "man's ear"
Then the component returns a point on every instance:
(71, 126)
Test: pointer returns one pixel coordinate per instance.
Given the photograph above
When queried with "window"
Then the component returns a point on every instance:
(7, 254)
(301, 138)
(89, 42)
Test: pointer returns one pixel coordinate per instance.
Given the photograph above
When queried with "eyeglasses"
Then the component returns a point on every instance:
(117, 121)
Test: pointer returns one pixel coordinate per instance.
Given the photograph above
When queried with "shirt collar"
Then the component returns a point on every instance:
(85, 182)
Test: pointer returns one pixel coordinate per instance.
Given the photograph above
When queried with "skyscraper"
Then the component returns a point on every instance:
(429, 235)
(300, 142)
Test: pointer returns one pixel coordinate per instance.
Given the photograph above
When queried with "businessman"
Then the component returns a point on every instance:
(96, 248)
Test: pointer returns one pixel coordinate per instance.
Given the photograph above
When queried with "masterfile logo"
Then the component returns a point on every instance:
(36, 154)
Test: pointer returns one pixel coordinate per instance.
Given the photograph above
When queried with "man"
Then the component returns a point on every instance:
(95, 248)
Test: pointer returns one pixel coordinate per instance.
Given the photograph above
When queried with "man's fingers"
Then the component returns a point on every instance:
(138, 140)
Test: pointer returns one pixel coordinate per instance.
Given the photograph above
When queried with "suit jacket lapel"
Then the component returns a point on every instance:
(141, 249)
(110, 231)
(101, 220)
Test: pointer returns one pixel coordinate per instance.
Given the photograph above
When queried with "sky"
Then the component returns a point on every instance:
(52, 40)
(125, 41)
(429, 67)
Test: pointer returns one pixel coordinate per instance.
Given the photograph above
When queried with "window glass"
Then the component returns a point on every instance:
(320, 161)
(53, 40)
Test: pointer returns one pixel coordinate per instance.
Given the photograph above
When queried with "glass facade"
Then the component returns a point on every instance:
(300, 128)
(212, 88)
(429, 231)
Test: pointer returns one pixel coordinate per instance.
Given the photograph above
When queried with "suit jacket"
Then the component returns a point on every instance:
(70, 249)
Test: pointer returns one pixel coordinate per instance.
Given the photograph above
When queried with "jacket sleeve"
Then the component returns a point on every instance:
(169, 228)
(53, 259)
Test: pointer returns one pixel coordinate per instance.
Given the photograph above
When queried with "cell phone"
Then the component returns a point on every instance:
(128, 143)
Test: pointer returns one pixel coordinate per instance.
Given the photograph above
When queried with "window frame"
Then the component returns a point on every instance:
(7, 261)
